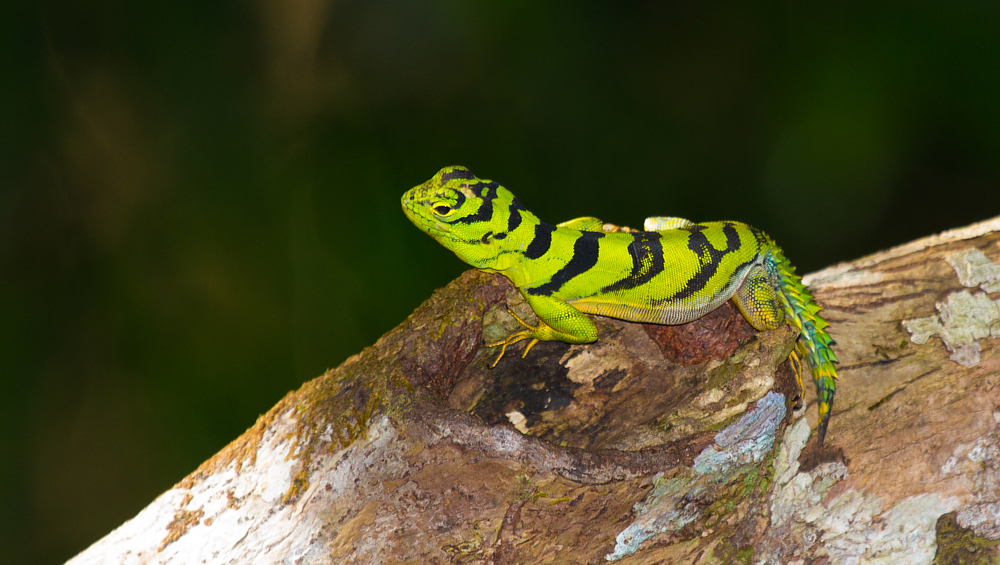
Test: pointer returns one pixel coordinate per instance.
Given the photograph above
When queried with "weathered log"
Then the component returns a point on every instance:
(654, 444)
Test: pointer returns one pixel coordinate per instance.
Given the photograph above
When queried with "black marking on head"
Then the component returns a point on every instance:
(486, 238)
(585, 253)
(647, 262)
(485, 212)
(500, 235)
(708, 256)
(461, 173)
(459, 199)
(514, 220)
(541, 242)
(482, 189)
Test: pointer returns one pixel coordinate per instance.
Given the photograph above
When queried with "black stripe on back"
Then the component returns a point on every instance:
(647, 262)
(541, 242)
(485, 212)
(463, 174)
(709, 256)
(585, 252)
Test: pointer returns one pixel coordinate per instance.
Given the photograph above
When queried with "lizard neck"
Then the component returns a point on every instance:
(541, 254)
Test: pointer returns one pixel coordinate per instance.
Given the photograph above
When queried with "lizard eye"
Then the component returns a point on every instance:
(442, 210)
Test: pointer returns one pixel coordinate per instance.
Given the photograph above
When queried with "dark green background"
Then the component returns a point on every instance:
(199, 206)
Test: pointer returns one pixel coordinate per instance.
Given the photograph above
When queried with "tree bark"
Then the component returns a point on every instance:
(655, 444)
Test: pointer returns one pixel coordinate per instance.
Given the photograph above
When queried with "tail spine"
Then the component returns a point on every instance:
(814, 344)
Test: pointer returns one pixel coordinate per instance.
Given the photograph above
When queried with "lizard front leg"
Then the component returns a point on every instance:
(590, 223)
(557, 321)
(586, 223)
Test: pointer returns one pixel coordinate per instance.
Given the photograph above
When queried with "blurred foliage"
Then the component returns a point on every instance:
(199, 200)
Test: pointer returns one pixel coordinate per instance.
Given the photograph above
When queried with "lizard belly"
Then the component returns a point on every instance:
(646, 306)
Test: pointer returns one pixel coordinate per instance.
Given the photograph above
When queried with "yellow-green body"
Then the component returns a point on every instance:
(673, 272)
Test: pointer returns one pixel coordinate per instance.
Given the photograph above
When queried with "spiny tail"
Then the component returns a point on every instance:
(814, 343)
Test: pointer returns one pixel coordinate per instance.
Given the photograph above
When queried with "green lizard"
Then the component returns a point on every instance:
(673, 272)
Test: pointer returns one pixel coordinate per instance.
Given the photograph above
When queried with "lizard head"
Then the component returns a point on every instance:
(470, 216)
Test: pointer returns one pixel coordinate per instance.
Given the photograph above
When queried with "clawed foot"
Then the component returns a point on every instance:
(796, 362)
(519, 336)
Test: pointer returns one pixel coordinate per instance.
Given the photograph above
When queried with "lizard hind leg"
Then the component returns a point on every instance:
(758, 302)
(762, 307)
(660, 223)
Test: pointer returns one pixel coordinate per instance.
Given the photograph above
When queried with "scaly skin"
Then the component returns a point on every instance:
(674, 272)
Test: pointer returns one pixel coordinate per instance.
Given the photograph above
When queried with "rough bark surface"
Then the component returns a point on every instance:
(652, 445)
